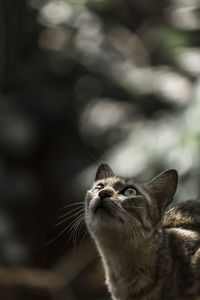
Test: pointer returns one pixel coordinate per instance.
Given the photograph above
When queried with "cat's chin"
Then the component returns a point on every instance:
(101, 217)
(101, 220)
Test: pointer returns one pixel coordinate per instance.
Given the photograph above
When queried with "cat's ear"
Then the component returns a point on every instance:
(103, 172)
(163, 187)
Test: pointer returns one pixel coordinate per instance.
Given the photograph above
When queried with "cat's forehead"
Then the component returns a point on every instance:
(115, 182)
(118, 182)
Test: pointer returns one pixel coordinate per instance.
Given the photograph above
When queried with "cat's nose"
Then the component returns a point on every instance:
(105, 193)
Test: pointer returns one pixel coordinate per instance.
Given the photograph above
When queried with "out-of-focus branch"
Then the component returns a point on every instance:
(35, 278)
(73, 263)
(56, 280)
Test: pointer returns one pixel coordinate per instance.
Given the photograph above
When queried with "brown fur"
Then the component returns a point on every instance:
(147, 253)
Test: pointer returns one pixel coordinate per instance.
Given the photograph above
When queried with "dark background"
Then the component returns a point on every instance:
(84, 82)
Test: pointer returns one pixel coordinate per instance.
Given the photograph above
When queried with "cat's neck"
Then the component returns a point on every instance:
(129, 263)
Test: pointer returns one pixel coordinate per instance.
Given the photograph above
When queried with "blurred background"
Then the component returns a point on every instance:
(84, 82)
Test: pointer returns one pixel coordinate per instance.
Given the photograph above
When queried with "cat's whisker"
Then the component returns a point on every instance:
(75, 226)
(72, 204)
(61, 233)
(131, 226)
(65, 220)
(139, 226)
(121, 216)
(132, 232)
(134, 207)
(126, 214)
(130, 220)
(69, 212)
(133, 223)
(77, 231)
(72, 226)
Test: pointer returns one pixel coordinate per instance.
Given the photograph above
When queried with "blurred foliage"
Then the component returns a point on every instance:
(98, 80)
(12, 24)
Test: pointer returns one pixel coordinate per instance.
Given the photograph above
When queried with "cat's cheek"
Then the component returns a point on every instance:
(89, 197)
(98, 223)
(91, 219)
(93, 224)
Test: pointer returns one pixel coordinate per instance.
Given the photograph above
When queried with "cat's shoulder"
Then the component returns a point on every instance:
(185, 215)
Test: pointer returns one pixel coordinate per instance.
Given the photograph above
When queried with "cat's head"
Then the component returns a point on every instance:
(118, 206)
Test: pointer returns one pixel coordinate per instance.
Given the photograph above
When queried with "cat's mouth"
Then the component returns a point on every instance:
(102, 206)
(103, 214)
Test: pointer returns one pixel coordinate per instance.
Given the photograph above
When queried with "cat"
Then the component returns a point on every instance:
(148, 252)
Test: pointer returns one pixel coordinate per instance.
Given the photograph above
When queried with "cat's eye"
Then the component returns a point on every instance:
(130, 192)
(97, 188)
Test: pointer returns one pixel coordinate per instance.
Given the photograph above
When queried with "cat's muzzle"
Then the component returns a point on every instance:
(98, 204)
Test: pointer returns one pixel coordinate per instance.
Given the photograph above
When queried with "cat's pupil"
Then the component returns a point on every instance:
(129, 192)
(97, 188)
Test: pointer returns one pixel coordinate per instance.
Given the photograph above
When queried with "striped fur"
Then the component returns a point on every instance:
(148, 253)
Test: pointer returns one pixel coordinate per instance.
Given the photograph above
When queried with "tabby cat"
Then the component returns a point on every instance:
(148, 253)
